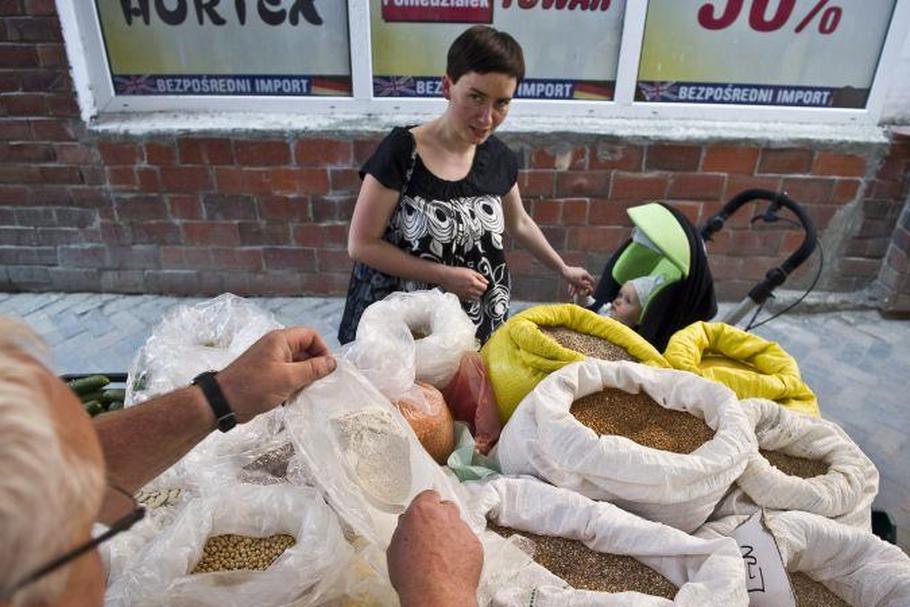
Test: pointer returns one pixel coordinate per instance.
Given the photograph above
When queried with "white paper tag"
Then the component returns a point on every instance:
(766, 578)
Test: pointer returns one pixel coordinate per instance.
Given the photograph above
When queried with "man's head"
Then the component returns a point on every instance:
(51, 477)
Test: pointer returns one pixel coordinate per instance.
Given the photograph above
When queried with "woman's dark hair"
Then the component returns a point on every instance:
(483, 49)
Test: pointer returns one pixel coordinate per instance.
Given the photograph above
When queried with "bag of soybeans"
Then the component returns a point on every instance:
(803, 463)
(830, 564)
(593, 554)
(663, 444)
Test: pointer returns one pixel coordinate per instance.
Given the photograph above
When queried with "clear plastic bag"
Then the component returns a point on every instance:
(304, 574)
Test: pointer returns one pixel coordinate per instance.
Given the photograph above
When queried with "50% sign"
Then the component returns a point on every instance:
(761, 19)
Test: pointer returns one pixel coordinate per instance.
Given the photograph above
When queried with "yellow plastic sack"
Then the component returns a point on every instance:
(747, 364)
(518, 354)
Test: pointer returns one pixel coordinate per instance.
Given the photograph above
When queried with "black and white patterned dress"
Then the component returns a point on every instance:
(456, 223)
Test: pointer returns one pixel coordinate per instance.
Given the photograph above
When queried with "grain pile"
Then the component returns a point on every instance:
(588, 345)
(638, 418)
(158, 498)
(585, 569)
(795, 466)
(810, 593)
(232, 552)
(273, 462)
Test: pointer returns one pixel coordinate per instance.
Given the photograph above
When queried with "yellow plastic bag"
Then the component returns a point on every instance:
(518, 355)
(747, 364)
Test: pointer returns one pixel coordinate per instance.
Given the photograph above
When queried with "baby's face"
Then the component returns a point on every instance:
(626, 307)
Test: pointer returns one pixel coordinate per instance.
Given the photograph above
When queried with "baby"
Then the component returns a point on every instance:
(633, 296)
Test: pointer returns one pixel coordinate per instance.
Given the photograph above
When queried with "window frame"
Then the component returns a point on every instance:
(92, 80)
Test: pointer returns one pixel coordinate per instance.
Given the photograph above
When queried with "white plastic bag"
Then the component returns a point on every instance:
(707, 573)
(844, 493)
(543, 439)
(304, 573)
(854, 564)
(446, 330)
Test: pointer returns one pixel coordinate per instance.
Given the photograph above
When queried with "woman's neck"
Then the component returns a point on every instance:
(447, 137)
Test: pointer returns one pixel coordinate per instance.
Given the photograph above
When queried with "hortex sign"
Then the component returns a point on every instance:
(441, 11)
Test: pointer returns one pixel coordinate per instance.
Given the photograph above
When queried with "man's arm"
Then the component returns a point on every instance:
(141, 442)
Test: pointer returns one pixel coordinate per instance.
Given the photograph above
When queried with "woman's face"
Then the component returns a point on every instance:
(478, 103)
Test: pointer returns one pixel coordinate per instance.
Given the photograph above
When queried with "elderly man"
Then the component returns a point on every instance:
(61, 472)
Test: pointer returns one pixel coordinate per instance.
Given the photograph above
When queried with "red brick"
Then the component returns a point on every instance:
(281, 208)
(156, 232)
(859, 267)
(185, 258)
(26, 152)
(14, 129)
(603, 157)
(115, 153)
(82, 256)
(122, 177)
(74, 153)
(40, 7)
(536, 183)
(24, 104)
(333, 260)
(323, 152)
(37, 81)
(574, 211)
(887, 189)
(363, 149)
(740, 183)
(32, 29)
(749, 243)
(231, 180)
(786, 160)
(140, 208)
(321, 235)
(839, 165)
(344, 180)
(17, 56)
(671, 157)
(52, 55)
(257, 233)
(809, 190)
(822, 214)
(325, 284)
(332, 208)
(696, 186)
(14, 194)
(845, 190)
(582, 183)
(51, 129)
(185, 179)
(19, 174)
(61, 174)
(205, 150)
(555, 235)
(216, 233)
(692, 210)
(289, 258)
(185, 207)
(574, 159)
(299, 181)
(740, 219)
(160, 154)
(148, 178)
(609, 212)
(221, 207)
(115, 233)
(597, 238)
(639, 187)
(892, 169)
(719, 245)
(10, 7)
(546, 212)
(730, 159)
(262, 153)
(237, 259)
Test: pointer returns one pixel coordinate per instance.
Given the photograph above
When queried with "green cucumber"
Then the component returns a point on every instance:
(113, 394)
(117, 404)
(93, 408)
(85, 385)
(89, 397)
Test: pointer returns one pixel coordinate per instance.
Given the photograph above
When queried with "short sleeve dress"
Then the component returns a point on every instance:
(456, 223)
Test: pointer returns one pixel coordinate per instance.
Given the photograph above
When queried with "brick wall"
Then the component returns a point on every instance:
(267, 213)
(894, 274)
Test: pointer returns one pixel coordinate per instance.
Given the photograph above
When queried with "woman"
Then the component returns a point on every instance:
(437, 197)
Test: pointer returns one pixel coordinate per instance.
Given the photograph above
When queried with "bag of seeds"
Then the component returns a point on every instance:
(246, 545)
(830, 564)
(803, 463)
(666, 445)
(603, 556)
(521, 353)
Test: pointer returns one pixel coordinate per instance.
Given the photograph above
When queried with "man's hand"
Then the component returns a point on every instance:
(272, 369)
(467, 284)
(434, 558)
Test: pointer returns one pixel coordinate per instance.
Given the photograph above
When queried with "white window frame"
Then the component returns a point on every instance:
(91, 74)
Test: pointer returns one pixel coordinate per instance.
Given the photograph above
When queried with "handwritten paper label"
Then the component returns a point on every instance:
(766, 578)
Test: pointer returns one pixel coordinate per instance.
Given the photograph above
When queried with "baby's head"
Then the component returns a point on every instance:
(632, 297)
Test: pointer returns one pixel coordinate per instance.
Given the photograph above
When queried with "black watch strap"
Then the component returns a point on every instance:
(219, 404)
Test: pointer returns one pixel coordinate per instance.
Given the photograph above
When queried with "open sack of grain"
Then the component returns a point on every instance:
(601, 556)
(830, 564)
(749, 365)
(803, 463)
(290, 549)
(525, 349)
(632, 405)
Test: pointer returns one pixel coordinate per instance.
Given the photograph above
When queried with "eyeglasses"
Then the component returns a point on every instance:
(118, 506)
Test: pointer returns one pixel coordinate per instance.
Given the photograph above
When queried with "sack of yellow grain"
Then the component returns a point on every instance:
(803, 463)
(520, 353)
(747, 364)
(592, 554)
(830, 564)
(663, 444)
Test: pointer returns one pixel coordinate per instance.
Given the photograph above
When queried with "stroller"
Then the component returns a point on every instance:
(664, 243)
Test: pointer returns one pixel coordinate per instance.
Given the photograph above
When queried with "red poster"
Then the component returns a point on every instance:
(438, 11)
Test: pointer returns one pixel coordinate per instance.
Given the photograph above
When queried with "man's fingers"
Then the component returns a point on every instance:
(305, 342)
(307, 371)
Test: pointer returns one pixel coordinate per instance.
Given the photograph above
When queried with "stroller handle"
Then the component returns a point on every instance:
(775, 276)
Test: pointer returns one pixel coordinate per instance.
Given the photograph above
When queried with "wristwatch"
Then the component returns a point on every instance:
(215, 397)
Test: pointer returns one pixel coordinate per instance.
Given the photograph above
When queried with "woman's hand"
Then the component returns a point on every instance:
(467, 284)
(580, 282)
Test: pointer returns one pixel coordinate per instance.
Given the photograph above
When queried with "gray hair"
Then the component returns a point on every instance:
(47, 492)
